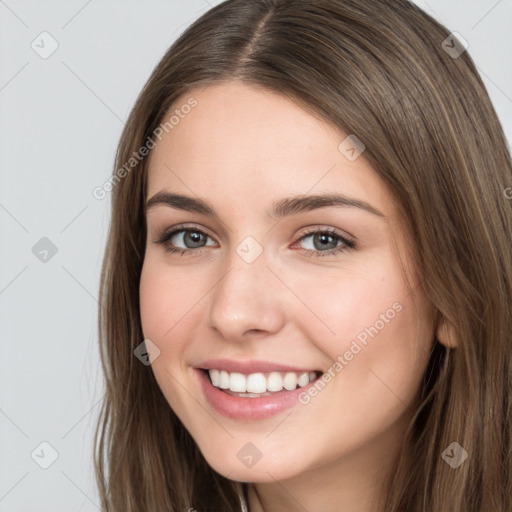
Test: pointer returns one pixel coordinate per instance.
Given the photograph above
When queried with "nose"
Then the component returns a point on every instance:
(247, 300)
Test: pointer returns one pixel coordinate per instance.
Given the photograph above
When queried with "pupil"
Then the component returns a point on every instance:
(194, 236)
(324, 238)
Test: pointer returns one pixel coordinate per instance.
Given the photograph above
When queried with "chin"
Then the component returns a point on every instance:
(261, 471)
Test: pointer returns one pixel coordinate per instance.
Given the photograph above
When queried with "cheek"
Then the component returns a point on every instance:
(162, 303)
(171, 302)
(153, 293)
(168, 302)
(339, 305)
(366, 321)
(164, 296)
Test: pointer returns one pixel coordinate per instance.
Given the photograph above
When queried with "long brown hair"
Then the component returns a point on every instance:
(382, 70)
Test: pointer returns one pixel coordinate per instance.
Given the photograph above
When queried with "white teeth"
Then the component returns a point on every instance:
(258, 383)
(223, 380)
(303, 379)
(274, 381)
(214, 375)
(237, 382)
(290, 381)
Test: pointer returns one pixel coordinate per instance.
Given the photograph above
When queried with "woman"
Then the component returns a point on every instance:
(306, 292)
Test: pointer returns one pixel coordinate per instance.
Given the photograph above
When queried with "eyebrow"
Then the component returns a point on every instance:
(280, 208)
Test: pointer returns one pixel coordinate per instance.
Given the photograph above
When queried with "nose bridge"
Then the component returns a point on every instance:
(247, 296)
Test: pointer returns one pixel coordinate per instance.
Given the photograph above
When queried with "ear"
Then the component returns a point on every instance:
(446, 335)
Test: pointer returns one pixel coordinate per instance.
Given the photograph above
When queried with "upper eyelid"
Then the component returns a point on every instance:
(177, 229)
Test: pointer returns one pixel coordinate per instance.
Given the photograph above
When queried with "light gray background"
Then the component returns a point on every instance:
(61, 118)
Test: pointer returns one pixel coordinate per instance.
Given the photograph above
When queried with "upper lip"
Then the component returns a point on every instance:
(248, 367)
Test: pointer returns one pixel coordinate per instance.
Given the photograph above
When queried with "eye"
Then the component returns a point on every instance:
(326, 242)
(192, 238)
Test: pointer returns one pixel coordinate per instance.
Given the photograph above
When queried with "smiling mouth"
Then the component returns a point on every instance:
(260, 384)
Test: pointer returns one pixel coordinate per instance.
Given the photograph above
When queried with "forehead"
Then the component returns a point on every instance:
(254, 144)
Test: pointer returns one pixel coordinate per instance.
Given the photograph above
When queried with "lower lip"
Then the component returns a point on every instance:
(246, 408)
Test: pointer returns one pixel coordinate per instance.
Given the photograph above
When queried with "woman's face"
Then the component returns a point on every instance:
(275, 288)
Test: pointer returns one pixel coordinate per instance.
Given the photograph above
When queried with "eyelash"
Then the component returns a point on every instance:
(347, 244)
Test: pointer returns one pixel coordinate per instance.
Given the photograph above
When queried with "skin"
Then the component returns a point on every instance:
(240, 149)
